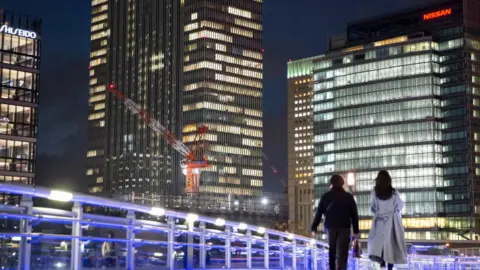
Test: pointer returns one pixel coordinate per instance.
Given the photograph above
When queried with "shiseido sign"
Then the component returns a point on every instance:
(17, 32)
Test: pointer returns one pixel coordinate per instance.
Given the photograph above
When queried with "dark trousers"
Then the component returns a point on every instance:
(390, 266)
(338, 242)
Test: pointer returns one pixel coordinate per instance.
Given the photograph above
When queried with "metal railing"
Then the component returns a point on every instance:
(152, 237)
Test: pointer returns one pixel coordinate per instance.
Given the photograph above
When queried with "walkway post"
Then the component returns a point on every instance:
(266, 252)
(171, 240)
(76, 260)
(25, 228)
(131, 241)
(314, 256)
(294, 254)
(249, 249)
(282, 253)
(228, 252)
(203, 231)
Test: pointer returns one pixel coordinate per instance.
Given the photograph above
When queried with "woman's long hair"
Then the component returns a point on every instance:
(337, 183)
(383, 186)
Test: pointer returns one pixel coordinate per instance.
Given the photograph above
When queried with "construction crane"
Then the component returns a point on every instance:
(194, 159)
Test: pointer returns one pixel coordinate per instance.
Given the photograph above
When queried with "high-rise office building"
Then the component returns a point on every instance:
(223, 66)
(136, 46)
(300, 142)
(191, 63)
(20, 41)
(401, 92)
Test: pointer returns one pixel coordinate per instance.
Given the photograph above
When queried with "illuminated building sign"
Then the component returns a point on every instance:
(437, 14)
(17, 32)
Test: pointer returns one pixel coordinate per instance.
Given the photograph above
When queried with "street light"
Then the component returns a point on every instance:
(351, 179)
(264, 201)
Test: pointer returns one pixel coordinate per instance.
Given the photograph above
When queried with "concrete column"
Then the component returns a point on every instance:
(25, 249)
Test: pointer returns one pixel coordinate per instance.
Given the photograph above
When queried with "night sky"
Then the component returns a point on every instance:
(293, 29)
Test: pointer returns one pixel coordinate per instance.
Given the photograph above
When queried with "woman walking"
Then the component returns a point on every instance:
(341, 215)
(386, 240)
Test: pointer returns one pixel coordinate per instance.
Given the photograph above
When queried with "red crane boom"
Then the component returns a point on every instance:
(194, 159)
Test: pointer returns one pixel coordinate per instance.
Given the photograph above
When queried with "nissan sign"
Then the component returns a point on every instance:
(17, 32)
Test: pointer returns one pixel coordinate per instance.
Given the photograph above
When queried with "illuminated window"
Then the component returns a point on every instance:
(237, 80)
(248, 24)
(212, 106)
(212, 25)
(99, 106)
(241, 32)
(224, 88)
(230, 150)
(102, 34)
(253, 112)
(390, 41)
(103, 42)
(96, 98)
(191, 138)
(256, 183)
(99, 18)
(252, 54)
(89, 171)
(99, 9)
(98, 61)
(203, 64)
(252, 142)
(238, 61)
(240, 12)
(191, 47)
(244, 72)
(94, 153)
(97, 89)
(98, 53)
(99, 180)
(210, 34)
(194, 16)
(93, 81)
(96, 116)
(220, 47)
(251, 172)
(96, 2)
(190, 27)
(229, 180)
(97, 27)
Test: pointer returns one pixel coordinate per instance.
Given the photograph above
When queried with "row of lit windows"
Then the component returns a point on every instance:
(96, 2)
(99, 9)
(95, 116)
(301, 101)
(229, 180)
(98, 53)
(299, 135)
(94, 153)
(253, 112)
(192, 137)
(99, 106)
(303, 128)
(244, 72)
(99, 18)
(98, 61)
(93, 81)
(98, 35)
(237, 80)
(252, 54)
(203, 64)
(223, 87)
(230, 150)
(97, 89)
(227, 129)
(220, 47)
(256, 183)
(93, 171)
(241, 32)
(303, 108)
(248, 24)
(238, 61)
(303, 148)
(239, 12)
(210, 34)
(251, 172)
(227, 190)
(96, 98)
(252, 142)
(97, 27)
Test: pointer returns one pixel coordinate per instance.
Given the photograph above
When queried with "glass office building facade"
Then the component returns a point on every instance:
(136, 46)
(223, 70)
(400, 92)
(20, 36)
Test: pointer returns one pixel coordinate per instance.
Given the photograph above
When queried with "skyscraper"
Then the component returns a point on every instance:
(136, 46)
(223, 66)
(402, 92)
(300, 142)
(20, 42)
(191, 63)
